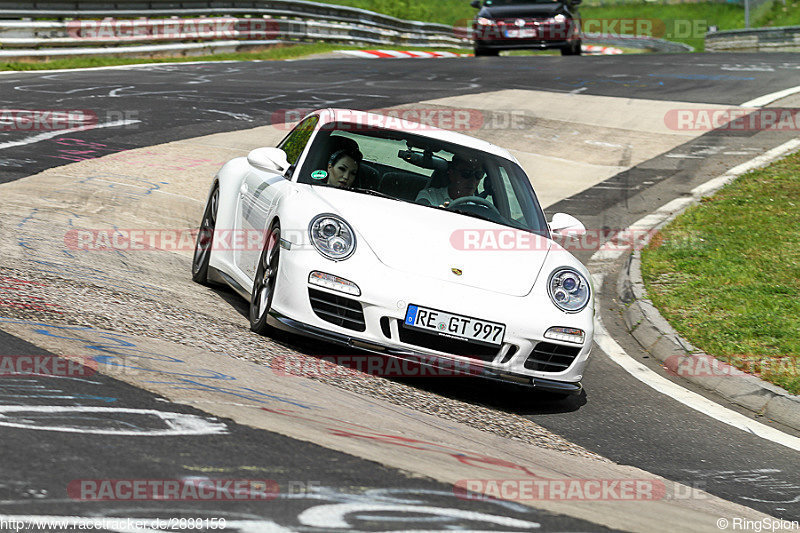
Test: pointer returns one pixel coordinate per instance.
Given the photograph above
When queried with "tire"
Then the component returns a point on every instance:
(264, 282)
(205, 239)
(479, 51)
(572, 49)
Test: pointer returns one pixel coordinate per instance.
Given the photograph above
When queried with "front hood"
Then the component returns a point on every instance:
(430, 242)
(523, 11)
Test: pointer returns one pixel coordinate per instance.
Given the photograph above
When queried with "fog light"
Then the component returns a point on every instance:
(335, 283)
(565, 334)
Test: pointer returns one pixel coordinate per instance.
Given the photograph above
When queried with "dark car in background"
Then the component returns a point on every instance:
(526, 25)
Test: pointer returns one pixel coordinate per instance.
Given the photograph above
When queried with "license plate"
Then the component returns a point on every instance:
(455, 326)
(526, 33)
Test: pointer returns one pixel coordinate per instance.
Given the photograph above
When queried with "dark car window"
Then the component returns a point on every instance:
(402, 164)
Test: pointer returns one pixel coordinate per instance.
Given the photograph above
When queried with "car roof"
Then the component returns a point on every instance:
(391, 122)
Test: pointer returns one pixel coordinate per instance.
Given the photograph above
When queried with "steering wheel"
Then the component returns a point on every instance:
(475, 200)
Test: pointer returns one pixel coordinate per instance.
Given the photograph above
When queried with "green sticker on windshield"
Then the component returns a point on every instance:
(319, 175)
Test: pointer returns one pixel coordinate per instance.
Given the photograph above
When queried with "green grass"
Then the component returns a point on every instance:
(274, 53)
(675, 17)
(781, 15)
(685, 23)
(726, 274)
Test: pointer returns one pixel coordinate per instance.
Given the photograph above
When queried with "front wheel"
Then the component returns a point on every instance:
(574, 49)
(264, 282)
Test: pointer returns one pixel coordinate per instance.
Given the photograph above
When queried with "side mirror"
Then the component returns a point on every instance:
(269, 159)
(564, 225)
(476, 4)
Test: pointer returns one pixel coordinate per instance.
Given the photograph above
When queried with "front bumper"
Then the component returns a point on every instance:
(522, 44)
(290, 325)
(526, 356)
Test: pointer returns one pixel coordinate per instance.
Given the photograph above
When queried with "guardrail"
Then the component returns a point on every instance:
(638, 42)
(205, 27)
(783, 39)
(210, 26)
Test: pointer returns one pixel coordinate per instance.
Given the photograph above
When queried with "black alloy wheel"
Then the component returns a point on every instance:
(264, 282)
(205, 239)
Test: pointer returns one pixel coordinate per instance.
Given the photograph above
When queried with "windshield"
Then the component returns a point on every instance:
(416, 169)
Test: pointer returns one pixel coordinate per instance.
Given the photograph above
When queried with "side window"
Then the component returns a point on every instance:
(296, 141)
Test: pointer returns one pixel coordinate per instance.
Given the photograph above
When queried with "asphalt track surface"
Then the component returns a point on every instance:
(617, 417)
(300, 477)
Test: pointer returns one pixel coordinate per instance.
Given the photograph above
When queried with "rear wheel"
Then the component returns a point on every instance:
(264, 282)
(205, 239)
(480, 51)
(573, 49)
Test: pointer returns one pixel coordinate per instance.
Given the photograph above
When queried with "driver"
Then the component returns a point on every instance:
(463, 177)
(343, 167)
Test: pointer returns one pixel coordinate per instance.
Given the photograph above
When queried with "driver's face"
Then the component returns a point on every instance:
(342, 173)
(463, 181)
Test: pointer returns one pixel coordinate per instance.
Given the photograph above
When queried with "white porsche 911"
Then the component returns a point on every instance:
(403, 240)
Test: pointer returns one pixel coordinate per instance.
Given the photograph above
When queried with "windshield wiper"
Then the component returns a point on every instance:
(503, 222)
(374, 193)
(474, 215)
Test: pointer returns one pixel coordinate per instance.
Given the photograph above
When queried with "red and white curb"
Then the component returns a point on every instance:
(595, 50)
(405, 54)
(400, 54)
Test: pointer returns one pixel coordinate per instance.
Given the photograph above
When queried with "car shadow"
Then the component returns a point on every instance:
(510, 398)
(505, 397)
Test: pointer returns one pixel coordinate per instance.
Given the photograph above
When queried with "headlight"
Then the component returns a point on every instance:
(558, 19)
(483, 21)
(568, 290)
(332, 237)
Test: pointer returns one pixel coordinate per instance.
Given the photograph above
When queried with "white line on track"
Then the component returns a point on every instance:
(650, 378)
(122, 67)
(56, 133)
(769, 98)
(688, 398)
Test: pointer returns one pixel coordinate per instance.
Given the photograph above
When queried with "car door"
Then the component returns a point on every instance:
(259, 195)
